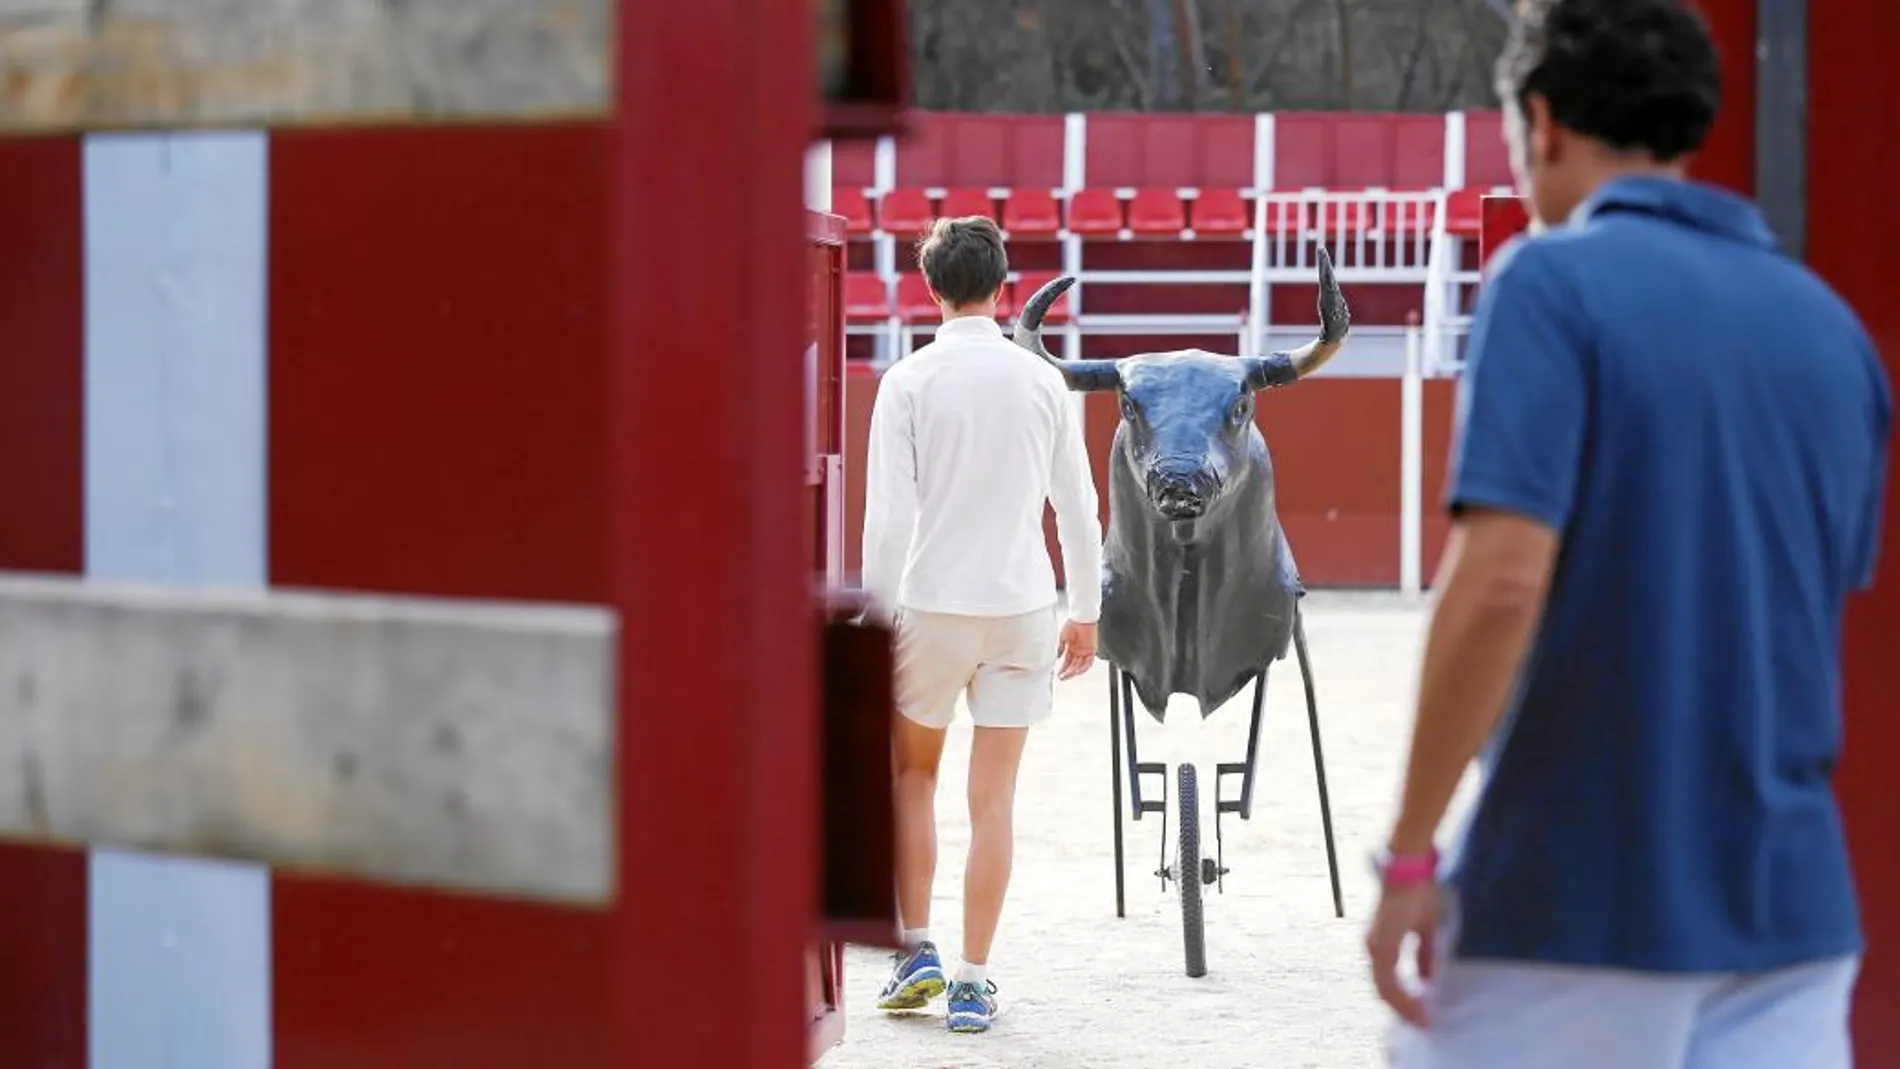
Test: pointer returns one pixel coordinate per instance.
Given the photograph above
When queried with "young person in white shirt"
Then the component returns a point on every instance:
(970, 435)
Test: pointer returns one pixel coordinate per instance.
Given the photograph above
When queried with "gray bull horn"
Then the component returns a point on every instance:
(1335, 319)
(1082, 376)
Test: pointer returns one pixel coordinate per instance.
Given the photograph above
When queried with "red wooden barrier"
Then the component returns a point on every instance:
(1504, 218)
(506, 363)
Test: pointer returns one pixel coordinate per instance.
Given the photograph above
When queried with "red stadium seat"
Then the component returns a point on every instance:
(1157, 213)
(1221, 213)
(866, 298)
(1464, 211)
(850, 203)
(958, 203)
(905, 212)
(913, 299)
(1006, 303)
(1095, 212)
(1031, 213)
(1029, 282)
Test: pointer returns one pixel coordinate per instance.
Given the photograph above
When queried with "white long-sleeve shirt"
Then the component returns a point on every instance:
(970, 435)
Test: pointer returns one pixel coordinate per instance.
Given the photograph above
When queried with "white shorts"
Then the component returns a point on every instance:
(1506, 1015)
(1006, 664)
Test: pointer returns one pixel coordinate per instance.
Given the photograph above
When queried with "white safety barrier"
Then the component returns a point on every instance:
(1412, 464)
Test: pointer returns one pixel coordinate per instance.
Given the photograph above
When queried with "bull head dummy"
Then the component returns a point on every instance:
(1199, 589)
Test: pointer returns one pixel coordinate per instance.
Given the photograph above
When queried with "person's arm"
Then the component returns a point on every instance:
(1524, 407)
(890, 496)
(1078, 519)
(1492, 581)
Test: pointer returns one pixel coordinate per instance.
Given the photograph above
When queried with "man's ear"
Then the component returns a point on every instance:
(1543, 138)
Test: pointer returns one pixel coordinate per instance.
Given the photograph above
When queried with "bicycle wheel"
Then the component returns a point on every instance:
(1188, 872)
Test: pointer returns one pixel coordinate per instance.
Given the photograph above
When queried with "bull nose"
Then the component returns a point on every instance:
(1180, 507)
(1178, 497)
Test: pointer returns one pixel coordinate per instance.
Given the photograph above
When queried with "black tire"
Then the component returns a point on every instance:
(1188, 872)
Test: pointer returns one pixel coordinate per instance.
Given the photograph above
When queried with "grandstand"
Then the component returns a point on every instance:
(1185, 229)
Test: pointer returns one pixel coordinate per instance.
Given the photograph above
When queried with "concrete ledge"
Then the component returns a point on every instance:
(85, 65)
(461, 745)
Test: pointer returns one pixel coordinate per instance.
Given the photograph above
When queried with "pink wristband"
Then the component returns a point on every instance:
(1407, 870)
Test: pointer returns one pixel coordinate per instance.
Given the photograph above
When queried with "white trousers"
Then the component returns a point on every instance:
(1503, 1015)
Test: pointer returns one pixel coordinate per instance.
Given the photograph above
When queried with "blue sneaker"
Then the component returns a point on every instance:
(916, 978)
(972, 1006)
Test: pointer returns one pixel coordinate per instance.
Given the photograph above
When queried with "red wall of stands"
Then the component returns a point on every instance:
(1335, 150)
(42, 528)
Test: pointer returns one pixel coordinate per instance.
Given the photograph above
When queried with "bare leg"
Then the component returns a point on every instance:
(917, 751)
(994, 758)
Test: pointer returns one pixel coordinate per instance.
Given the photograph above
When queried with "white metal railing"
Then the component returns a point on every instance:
(1373, 235)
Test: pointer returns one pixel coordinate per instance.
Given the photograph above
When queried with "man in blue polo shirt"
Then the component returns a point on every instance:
(1668, 480)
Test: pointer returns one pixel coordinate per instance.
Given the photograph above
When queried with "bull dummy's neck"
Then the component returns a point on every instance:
(1189, 607)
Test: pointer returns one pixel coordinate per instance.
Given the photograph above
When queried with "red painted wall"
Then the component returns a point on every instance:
(1346, 150)
(947, 148)
(1335, 444)
(437, 427)
(1337, 150)
(1170, 150)
(1487, 161)
(1853, 230)
(42, 528)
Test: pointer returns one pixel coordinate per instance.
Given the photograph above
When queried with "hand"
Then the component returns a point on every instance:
(1403, 911)
(1076, 648)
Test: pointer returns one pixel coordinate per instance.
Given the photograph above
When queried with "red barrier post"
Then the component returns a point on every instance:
(1503, 218)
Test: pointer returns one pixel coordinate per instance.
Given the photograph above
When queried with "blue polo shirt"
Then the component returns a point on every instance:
(1705, 424)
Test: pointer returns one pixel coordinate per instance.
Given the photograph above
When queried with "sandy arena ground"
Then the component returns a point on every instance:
(1286, 985)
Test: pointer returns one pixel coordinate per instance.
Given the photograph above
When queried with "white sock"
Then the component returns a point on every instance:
(913, 937)
(972, 974)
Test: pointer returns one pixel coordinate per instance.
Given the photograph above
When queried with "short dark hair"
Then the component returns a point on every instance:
(1634, 74)
(963, 259)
